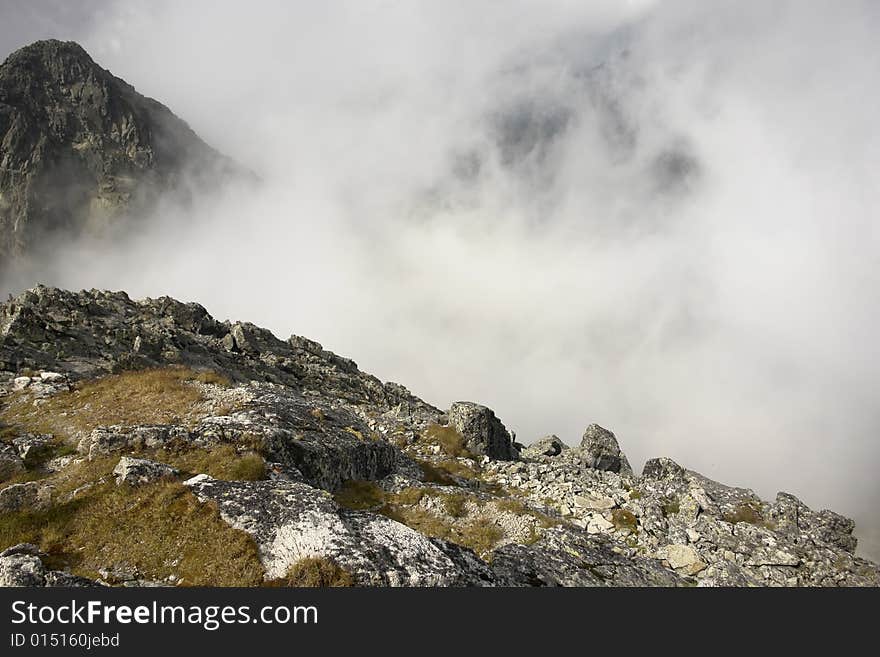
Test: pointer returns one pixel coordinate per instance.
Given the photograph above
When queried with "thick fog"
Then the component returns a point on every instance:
(657, 216)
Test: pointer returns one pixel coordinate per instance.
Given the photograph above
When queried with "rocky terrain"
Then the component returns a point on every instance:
(81, 150)
(145, 443)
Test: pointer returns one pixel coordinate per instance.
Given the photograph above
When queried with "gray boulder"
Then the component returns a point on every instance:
(22, 548)
(28, 496)
(10, 462)
(602, 451)
(662, 468)
(484, 434)
(22, 570)
(546, 446)
(135, 472)
(104, 441)
(31, 446)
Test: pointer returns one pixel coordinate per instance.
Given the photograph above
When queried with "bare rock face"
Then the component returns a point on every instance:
(80, 148)
(484, 434)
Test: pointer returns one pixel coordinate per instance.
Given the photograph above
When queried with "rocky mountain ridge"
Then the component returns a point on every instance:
(81, 150)
(147, 443)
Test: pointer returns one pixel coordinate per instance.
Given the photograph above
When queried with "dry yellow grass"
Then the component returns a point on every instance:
(444, 471)
(160, 529)
(517, 507)
(315, 572)
(623, 519)
(455, 504)
(448, 439)
(479, 533)
(154, 396)
(222, 462)
(360, 495)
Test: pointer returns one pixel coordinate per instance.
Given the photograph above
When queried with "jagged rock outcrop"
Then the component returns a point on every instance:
(307, 460)
(600, 446)
(718, 535)
(80, 148)
(484, 434)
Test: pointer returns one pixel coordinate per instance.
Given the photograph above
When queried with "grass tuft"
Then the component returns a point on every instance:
(360, 495)
(448, 439)
(455, 504)
(670, 506)
(314, 572)
(749, 512)
(221, 462)
(623, 519)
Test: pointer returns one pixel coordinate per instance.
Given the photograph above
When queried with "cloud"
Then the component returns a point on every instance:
(658, 216)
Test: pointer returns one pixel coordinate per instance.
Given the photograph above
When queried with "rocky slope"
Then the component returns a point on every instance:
(146, 443)
(80, 148)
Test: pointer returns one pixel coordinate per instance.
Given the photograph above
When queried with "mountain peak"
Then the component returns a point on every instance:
(82, 152)
(47, 50)
(46, 64)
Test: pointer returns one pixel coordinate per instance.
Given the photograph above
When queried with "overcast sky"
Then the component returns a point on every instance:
(657, 216)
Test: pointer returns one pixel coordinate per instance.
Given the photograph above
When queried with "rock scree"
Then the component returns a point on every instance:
(278, 456)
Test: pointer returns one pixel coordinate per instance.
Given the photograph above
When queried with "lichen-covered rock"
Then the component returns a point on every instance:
(600, 446)
(108, 440)
(31, 495)
(662, 468)
(10, 462)
(326, 444)
(484, 434)
(21, 382)
(30, 446)
(682, 558)
(136, 472)
(22, 548)
(291, 521)
(546, 446)
(22, 570)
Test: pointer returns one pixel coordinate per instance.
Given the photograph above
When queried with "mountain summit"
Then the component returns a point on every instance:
(81, 148)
